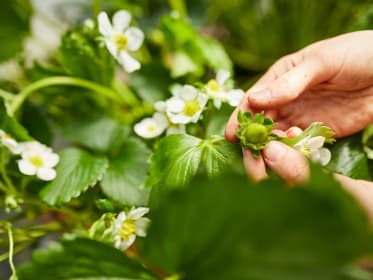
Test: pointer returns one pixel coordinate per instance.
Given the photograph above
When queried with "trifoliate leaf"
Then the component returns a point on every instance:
(83, 259)
(76, 172)
(179, 157)
(228, 228)
(126, 175)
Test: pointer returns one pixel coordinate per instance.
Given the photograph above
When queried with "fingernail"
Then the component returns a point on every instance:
(261, 95)
(274, 151)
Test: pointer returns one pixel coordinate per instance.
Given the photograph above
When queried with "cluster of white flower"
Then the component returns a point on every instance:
(36, 158)
(129, 225)
(312, 147)
(120, 39)
(186, 106)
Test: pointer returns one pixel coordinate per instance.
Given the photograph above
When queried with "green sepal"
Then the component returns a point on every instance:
(315, 129)
(246, 119)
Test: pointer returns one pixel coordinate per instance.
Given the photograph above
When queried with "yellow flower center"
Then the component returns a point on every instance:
(213, 87)
(191, 107)
(127, 229)
(151, 128)
(120, 41)
(36, 161)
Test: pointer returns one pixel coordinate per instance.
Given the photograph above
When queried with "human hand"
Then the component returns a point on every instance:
(329, 81)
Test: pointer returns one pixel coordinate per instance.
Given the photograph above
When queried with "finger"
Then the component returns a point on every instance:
(290, 85)
(293, 131)
(255, 167)
(280, 133)
(288, 163)
(361, 190)
(233, 125)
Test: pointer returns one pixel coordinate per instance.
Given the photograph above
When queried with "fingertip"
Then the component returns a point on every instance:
(288, 163)
(293, 131)
(254, 167)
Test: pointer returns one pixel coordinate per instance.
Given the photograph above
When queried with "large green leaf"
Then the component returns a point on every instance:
(14, 26)
(83, 56)
(101, 134)
(76, 172)
(349, 158)
(228, 228)
(82, 259)
(126, 175)
(179, 157)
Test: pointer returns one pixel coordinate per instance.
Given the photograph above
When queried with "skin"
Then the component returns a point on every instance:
(329, 81)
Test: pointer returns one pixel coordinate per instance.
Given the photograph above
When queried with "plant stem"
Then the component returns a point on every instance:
(5, 95)
(58, 81)
(11, 246)
(4, 174)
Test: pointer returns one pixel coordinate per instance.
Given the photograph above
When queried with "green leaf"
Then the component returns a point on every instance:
(82, 259)
(214, 54)
(183, 64)
(14, 26)
(367, 140)
(83, 56)
(126, 175)
(151, 82)
(76, 172)
(11, 126)
(349, 158)
(179, 157)
(228, 228)
(100, 134)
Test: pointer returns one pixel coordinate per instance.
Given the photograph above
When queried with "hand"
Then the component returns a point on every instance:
(330, 81)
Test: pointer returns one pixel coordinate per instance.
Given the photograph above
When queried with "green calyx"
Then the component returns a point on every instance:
(255, 131)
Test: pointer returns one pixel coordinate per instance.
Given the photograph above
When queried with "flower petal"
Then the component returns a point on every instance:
(188, 92)
(128, 62)
(142, 225)
(112, 48)
(104, 25)
(161, 119)
(51, 160)
(325, 156)
(138, 212)
(179, 119)
(46, 174)
(160, 106)
(125, 244)
(315, 142)
(26, 167)
(234, 97)
(135, 38)
(121, 20)
(175, 105)
(222, 76)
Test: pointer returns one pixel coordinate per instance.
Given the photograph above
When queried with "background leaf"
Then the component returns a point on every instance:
(126, 175)
(14, 26)
(349, 158)
(100, 134)
(82, 259)
(228, 228)
(76, 172)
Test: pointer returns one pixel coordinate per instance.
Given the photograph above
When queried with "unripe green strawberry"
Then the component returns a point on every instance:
(255, 133)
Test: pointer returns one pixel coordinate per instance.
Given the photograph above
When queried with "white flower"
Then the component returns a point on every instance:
(38, 160)
(172, 128)
(151, 127)
(9, 142)
(120, 38)
(217, 90)
(186, 105)
(129, 225)
(11, 70)
(312, 147)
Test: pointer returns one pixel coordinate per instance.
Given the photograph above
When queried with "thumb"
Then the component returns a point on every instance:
(290, 85)
(288, 163)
